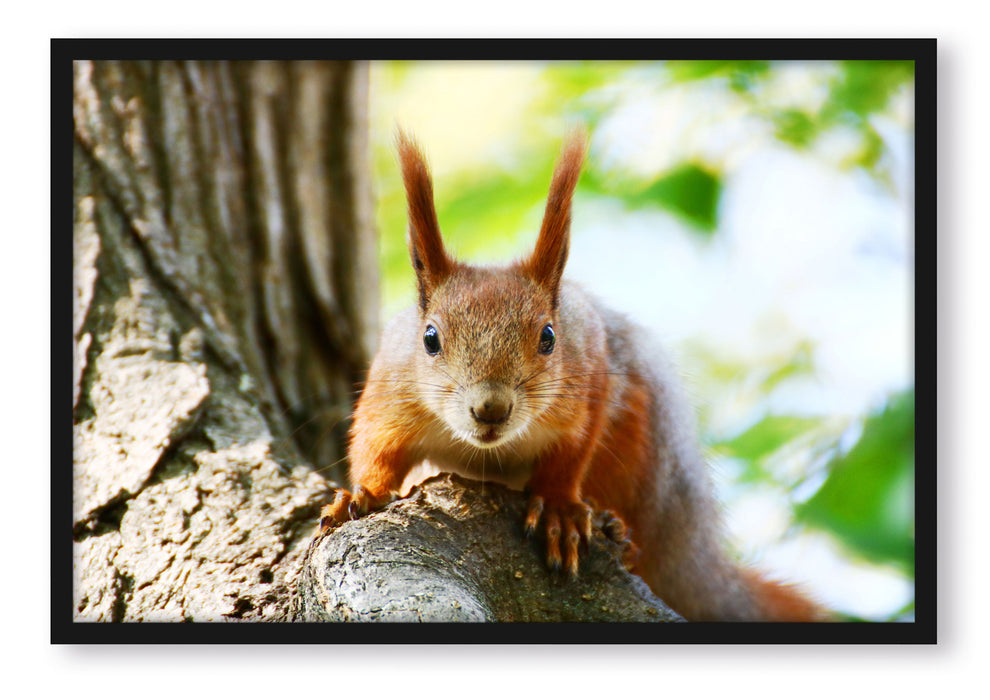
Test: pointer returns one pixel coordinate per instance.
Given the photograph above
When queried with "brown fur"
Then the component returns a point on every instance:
(429, 258)
(598, 418)
(550, 256)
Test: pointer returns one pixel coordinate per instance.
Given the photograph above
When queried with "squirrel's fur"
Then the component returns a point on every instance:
(588, 412)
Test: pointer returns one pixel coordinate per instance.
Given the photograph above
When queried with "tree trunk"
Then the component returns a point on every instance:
(225, 305)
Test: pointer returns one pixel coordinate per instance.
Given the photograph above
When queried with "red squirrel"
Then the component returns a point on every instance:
(515, 375)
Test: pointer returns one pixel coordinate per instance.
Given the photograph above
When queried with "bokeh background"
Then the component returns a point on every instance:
(757, 217)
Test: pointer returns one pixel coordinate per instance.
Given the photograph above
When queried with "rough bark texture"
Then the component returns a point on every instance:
(454, 551)
(225, 305)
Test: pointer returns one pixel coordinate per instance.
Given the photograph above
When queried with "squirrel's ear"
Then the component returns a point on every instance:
(546, 264)
(429, 258)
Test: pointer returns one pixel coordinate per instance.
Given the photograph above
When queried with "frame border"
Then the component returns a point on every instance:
(924, 54)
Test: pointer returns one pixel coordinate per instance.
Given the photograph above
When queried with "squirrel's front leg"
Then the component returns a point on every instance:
(376, 476)
(555, 499)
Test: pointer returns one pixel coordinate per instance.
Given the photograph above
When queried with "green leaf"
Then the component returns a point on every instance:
(574, 79)
(795, 127)
(865, 87)
(741, 74)
(767, 436)
(691, 191)
(871, 150)
(867, 500)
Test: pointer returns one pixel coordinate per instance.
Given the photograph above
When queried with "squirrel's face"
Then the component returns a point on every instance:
(488, 349)
(489, 343)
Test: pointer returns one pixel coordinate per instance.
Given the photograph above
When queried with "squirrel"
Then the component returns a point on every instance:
(516, 375)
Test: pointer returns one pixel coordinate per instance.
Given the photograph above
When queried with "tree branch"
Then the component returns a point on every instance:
(454, 551)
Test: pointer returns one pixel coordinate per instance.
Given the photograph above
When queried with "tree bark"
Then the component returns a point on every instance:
(225, 305)
(454, 551)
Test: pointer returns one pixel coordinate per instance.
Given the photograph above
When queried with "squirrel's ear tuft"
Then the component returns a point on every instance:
(546, 264)
(429, 258)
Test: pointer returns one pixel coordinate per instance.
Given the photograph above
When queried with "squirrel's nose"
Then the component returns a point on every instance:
(492, 411)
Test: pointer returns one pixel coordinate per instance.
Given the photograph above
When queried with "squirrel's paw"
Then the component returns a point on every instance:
(350, 506)
(567, 525)
(616, 530)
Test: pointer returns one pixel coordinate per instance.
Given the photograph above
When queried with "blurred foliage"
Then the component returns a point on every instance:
(763, 439)
(488, 207)
(690, 191)
(740, 75)
(863, 495)
(867, 500)
(856, 91)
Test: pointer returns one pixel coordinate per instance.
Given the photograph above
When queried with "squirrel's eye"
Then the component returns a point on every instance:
(547, 339)
(431, 340)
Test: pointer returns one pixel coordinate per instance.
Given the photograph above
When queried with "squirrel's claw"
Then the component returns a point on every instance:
(616, 530)
(350, 506)
(566, 526)
(534, 510)
(335, 513)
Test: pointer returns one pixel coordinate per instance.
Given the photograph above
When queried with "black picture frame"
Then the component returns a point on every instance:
(64, 630)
